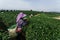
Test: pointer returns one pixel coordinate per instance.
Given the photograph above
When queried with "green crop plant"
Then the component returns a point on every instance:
(43, 28)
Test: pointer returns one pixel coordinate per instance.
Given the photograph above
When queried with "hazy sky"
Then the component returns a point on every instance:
(39, 5)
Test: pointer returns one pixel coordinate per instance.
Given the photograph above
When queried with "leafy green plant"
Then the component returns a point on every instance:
(41, 27)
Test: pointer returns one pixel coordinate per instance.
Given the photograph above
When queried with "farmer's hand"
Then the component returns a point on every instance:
(19, 30)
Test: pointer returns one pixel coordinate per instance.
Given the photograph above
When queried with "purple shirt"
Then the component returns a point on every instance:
(20, 15)
(19, 20)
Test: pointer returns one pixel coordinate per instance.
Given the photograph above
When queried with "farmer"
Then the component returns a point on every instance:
(21, 21)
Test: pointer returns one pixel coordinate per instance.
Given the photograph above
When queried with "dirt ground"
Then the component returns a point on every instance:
(57, 17)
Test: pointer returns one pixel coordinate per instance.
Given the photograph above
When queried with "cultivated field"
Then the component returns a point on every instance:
(42, 25)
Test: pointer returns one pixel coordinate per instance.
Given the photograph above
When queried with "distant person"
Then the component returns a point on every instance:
(21, 21)
(31, 15)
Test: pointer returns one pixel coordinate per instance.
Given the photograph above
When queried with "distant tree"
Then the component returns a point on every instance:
(11, 10)
(14, 10)
(7, 10)
(0, 10)
(30, 10)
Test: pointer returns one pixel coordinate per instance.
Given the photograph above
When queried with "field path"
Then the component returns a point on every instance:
(57, 17)
(37, 14)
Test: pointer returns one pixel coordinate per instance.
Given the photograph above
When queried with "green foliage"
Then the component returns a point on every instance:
(10, 17)
(52, 14)
(4, 35)
(43, 28)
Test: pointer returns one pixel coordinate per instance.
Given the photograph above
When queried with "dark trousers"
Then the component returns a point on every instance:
(20, 36)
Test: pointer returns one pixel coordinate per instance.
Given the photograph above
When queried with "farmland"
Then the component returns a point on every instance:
(41, 27)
